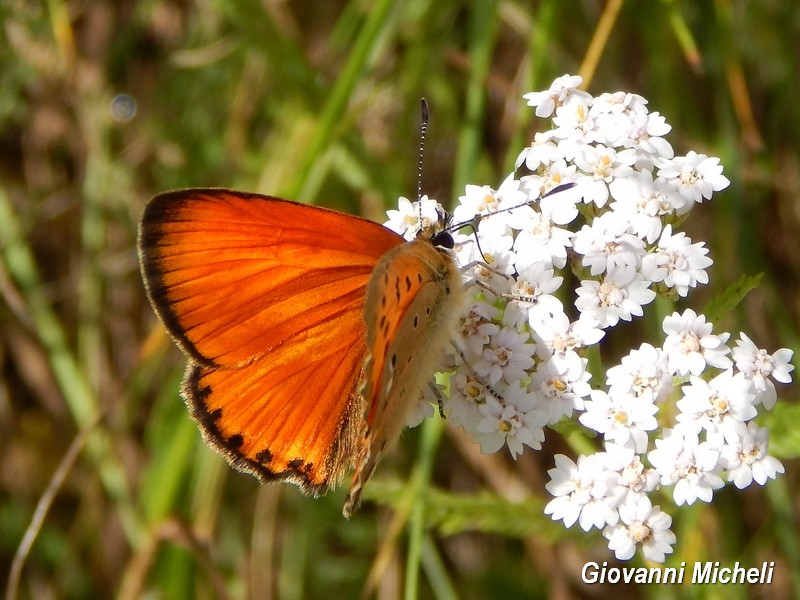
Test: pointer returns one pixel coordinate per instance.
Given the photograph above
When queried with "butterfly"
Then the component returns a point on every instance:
(310, 333)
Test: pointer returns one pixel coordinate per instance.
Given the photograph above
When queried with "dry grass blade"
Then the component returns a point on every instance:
(42, 508)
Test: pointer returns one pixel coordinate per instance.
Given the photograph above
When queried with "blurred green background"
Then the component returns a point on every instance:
(103, 104)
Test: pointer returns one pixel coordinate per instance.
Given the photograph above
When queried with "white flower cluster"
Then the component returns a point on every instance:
(522, 366)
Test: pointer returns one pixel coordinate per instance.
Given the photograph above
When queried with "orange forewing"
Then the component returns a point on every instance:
(266, 298)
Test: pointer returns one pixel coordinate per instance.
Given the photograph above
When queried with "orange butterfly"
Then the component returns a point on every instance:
(310, 333)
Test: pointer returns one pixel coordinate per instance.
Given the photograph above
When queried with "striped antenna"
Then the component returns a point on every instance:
(422, 131)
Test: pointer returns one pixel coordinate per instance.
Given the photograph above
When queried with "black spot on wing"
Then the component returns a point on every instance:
(383, 325)
(200, 393)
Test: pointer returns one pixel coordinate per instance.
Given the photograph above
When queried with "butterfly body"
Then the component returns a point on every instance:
(310, 333)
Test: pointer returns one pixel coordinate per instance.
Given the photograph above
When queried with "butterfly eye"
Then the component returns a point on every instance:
(443, 239)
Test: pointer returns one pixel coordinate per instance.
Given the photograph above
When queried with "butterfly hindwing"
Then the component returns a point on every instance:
(266, 298)
(412, 305)
(290, 426)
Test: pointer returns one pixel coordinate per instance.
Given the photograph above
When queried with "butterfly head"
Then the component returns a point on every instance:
(424, 219)
(436, 231)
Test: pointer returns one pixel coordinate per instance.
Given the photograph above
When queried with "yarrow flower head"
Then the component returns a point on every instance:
(692, 466)
(691, 347)
(596, 199)
(760, 367)
(412, 217)
(642, 524)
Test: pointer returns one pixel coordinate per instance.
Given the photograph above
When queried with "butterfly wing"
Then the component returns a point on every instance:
(266, 296)
(413, 302)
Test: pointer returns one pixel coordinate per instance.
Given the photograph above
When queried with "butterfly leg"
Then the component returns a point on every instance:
(479, 263)
(513, 296)
(486, 387)
(439, 399)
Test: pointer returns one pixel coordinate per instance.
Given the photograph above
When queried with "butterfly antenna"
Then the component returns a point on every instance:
(473, 223)
(423, 129)
(478, 218)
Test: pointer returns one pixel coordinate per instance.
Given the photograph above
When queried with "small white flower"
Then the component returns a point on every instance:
(508, 355)
(693, 467)
(695, 176)
(538, 185)
(645, 134)
(634, 478)
(422, 409)
(758, 365)
(542, 151)
(583, 492)
(601, 166)
(623, 420)
(642, 524)
(561, 387)
(562, 89)
(532, 294)
(405, 220)
(556, 336)
(615, 297)
(689, 345)
(542, 240)
(487, 208)
(643, 374)
(562, 207)
(572, 487)
(477, 200)
(478, 324)
(643, 202)
(515, 421)
(748, 461)
(618, 103)
(574, 125)
(722, 405)
(536, 283)
(467, 395)
(491, 261)
(677, 262)
(606, 246)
